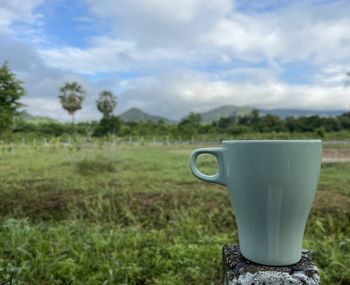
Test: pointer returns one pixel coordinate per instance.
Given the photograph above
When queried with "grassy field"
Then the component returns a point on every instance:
(135, 215)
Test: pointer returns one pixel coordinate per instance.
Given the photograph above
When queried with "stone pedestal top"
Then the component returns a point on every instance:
(237, 270)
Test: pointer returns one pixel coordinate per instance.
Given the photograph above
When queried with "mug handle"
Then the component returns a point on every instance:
(219, 177)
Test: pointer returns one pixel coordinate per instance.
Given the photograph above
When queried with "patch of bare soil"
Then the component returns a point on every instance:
(336, 155)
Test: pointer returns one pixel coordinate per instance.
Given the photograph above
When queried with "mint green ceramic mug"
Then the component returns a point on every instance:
(272, 184)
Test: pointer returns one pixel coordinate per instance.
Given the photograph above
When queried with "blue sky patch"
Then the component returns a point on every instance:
(70, 23)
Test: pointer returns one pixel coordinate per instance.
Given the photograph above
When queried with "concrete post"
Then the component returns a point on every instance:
(237, 270)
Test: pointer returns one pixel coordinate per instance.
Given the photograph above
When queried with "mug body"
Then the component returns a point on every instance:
(271, 186)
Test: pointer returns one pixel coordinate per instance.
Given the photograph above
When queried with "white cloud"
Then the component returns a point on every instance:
(162, 22)
(173, 42)
(17, 10)
(51, 107)
(110, 55)
(44, 91)
(154, 33)
(301, 32)
(177, 93)
(107, 55)
(333, 75)
(43, 82)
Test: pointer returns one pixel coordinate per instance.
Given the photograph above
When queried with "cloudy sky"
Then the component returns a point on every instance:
(169, 57)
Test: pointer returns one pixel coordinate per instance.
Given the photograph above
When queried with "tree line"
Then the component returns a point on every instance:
(192, 126)
(71, 96)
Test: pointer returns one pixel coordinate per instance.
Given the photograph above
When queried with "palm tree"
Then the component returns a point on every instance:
(106, 103)
(71, 97)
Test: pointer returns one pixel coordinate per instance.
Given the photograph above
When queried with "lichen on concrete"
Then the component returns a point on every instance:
(237, 270)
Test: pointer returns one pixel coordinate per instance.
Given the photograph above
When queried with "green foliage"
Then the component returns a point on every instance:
(239, 130)
(321, 132)
(11, 90)
(107, 125)
(89, 166)
(252, 125)
(71, 97)
(106, 103)
(191, 124)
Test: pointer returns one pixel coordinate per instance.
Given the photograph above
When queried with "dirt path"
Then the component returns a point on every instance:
(336, 155)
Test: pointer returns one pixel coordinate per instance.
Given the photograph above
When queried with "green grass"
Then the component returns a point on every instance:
(135, 215)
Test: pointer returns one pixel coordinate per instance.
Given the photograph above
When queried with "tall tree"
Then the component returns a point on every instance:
(11, 90)
(106, 103)
(191, 124)
(71, 97)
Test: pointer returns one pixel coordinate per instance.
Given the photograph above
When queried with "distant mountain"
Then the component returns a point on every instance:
(136, 115)
(224, 112)
(25, 116)
(232, 110)
(283, 113)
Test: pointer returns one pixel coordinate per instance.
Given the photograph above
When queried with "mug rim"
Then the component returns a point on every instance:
(272, 141)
